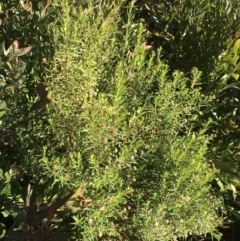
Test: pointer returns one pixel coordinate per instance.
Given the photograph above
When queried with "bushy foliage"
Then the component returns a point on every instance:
(205, 35)
(144, 139)
(117, 116)
(22, 25)
(24, 51)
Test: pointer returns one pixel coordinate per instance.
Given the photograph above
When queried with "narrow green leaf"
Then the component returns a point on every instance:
(3, 233)
(6, 190)
(220, 184)
(3, 108)
(236, 47)
(7, 176)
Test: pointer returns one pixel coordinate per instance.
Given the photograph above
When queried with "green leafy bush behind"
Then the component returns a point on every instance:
(22, 132)
(116, 116)
(28, 24)
(205, 35)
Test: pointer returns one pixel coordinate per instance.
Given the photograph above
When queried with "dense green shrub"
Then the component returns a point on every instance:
(117, 116)
(21, 127)
(205, 35)
(22, 25)
(122, 121)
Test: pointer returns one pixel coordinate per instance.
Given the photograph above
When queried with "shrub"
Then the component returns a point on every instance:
(205, 35)
(24, 27)
(117, 116)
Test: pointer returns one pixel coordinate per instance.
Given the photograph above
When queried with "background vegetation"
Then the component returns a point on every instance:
(119, 119)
